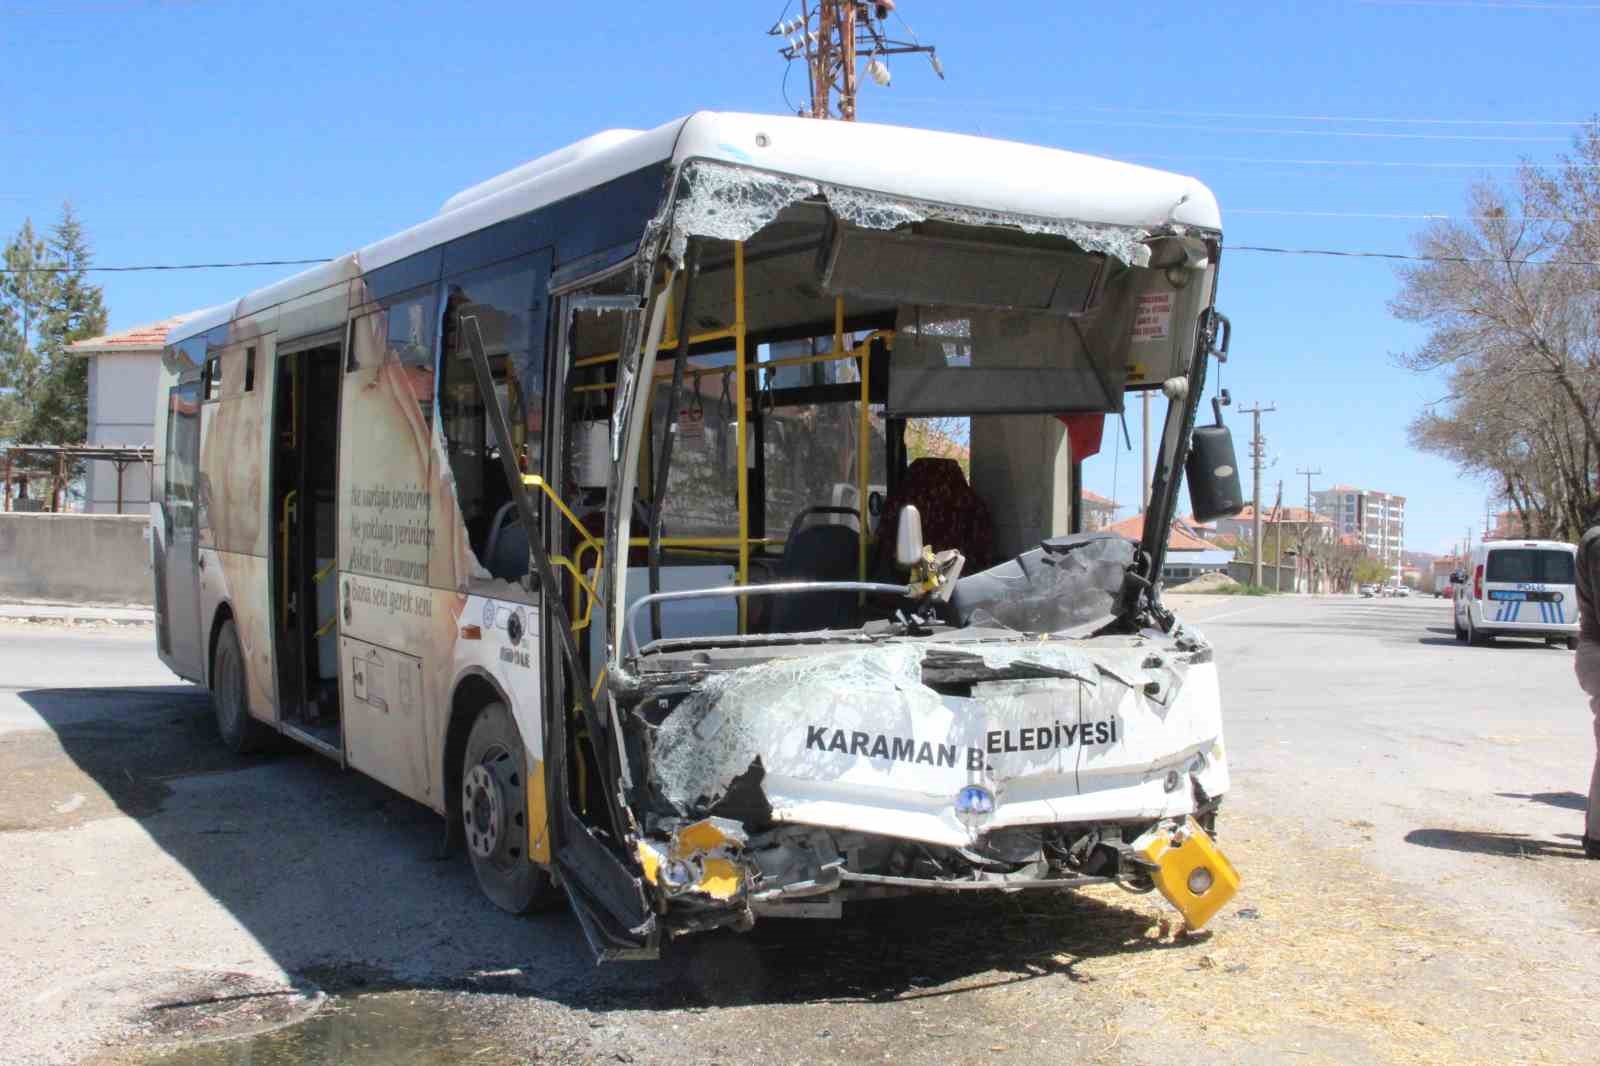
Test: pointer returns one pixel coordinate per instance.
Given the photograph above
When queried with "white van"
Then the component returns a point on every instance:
(1519, 588)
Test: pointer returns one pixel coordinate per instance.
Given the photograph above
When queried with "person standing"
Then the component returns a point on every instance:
(1588, 667)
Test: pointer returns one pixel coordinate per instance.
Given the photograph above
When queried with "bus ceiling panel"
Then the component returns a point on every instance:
(967, 361)
(911, 268)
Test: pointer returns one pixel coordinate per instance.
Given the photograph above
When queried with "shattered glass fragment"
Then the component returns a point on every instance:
(734, 203)
(729, 203)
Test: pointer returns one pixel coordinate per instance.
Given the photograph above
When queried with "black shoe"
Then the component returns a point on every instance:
(1591, 848)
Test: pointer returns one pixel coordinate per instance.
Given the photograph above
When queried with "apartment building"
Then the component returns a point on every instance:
(1377, 518)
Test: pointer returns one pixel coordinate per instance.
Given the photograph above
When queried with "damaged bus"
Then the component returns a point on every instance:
(688, 516)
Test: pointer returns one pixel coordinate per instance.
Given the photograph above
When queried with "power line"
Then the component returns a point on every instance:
(1347, 253)
(164, 266)
(1400, 120)
(1387, 135)
(1463, 259)
(1424, 164)
(1394, 216)
(1488, 5)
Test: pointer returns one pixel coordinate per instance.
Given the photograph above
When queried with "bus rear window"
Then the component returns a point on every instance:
(1547, 566)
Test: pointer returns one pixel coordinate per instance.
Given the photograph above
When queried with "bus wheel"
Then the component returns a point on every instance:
(494, 812)
(229, 699)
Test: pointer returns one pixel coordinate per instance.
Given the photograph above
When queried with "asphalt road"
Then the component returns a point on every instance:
(1405, 814)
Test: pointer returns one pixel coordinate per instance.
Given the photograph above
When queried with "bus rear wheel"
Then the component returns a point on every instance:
(230, 695)
(494, 814)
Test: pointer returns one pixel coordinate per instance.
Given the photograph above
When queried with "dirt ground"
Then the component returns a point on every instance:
(158, 894)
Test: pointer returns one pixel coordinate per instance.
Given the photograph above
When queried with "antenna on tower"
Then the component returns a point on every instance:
(831, 35)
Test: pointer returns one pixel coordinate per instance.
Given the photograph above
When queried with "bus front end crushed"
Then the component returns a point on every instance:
(787, 779)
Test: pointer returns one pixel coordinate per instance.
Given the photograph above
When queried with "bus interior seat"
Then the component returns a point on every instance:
(505, 554)
(953, 514)
(826, 552)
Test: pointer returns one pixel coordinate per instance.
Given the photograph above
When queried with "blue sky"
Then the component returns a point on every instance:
(189, 132)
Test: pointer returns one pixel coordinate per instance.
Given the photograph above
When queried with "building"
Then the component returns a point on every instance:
(1508, 525)
(1098, 512)
(1187, 555)
(122, 410)
(1298, 526)
(1377, 518)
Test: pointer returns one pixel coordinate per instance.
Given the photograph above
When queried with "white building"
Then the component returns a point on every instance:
(1378, 518)
(122, 410)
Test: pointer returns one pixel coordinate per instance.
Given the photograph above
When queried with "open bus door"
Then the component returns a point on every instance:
(177, 543)
(607, 897)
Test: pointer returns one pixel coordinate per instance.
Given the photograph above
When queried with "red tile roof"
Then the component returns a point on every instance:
(1098, 500)
(149, 337)
(1288, 515)
(1133, 528)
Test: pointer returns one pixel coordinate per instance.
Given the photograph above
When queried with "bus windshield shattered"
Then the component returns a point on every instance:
(846, 636)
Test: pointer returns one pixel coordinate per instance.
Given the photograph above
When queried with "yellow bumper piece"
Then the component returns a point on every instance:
(1190, 871)
(706, 852)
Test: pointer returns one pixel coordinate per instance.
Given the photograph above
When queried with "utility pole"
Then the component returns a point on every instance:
(1258, 452)
(1305, 536)
(830, 35)
(1277, 569)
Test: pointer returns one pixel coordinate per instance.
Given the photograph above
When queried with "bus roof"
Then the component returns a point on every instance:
(945, 168)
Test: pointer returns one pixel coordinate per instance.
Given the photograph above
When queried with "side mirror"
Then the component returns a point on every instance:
(1213, 471)
(908, 537)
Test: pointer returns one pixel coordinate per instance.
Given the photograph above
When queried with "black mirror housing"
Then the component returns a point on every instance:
(1213, 471)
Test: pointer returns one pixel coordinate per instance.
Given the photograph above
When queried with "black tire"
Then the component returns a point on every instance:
(1461, 634)
(1475, 638)
(230, 700)
(494, 815)
(1572, 643)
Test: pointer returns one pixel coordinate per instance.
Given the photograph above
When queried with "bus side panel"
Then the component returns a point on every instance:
(391, 517)
(234, 453)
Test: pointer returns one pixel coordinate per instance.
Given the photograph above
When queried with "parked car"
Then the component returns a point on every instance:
(1520, 588)
(1367, 591)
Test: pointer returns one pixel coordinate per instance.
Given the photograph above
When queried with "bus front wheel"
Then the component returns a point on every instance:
(230, 695)
(494, 814)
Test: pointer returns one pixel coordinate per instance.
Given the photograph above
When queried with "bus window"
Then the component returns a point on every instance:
(702, 497)
(501, 300)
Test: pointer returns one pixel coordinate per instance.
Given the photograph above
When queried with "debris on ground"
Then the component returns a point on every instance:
(1212, 582)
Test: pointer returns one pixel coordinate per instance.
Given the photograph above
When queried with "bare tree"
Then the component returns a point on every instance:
(1511, 299)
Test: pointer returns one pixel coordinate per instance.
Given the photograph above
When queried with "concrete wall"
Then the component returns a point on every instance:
(1245, 570)
(122, 411)
(73, 558)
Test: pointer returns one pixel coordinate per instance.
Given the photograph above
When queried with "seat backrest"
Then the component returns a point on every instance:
(816, 553)
(953, 515)
(508, 558)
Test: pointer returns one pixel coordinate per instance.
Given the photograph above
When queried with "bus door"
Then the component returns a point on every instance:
(305, 527)
(607, 897)
(177, 550)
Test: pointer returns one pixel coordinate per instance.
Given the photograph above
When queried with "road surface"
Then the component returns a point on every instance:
(1405, 815)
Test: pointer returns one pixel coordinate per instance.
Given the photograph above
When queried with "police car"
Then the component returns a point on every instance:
(1519, 588)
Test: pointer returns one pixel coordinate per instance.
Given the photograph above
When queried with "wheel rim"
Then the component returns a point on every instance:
(490, 807)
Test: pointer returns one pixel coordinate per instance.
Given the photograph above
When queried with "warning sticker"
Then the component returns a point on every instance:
(1153, 319)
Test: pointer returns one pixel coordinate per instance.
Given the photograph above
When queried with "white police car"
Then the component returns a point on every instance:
(1519, 588)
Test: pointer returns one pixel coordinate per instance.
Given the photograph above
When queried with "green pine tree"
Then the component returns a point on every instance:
(75, 311)
(26, 294)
